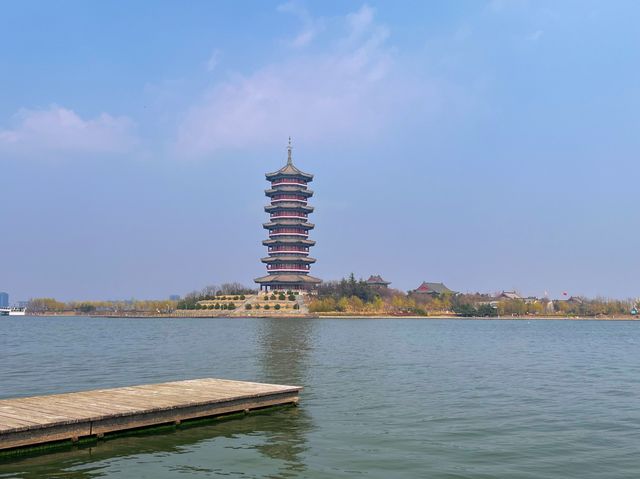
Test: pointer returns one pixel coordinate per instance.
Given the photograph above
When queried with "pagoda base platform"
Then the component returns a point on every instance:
(294, 282)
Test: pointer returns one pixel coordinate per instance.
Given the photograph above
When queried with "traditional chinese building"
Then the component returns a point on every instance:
(509, 295)
(288, 263)
(377, 281)
(433, 289)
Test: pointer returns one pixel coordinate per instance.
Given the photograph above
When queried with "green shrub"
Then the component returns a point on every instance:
(231, 306)
(291, 297)
(486, 310)
(266, 297)
(277, 306)
(86, 308)
(296, 306)
(257, 306)
(272, 297)
(243, 297)
(289, 292)
(465, 310)
(281, 297)
(248, 307)
(217, 306)
(266, 306)
(235, 298)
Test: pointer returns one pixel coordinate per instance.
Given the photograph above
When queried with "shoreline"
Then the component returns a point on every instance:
(334, 316)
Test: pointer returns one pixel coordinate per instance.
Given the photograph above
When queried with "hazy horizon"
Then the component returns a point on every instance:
(487, 145)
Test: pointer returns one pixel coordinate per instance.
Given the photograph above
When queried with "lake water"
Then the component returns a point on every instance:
(383, 398)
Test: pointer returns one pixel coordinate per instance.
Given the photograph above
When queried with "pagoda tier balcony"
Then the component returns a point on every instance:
(288, 224)
(289, 181)
(289, 205)
(287, 248)
(287, 255)
(289, 267)
(288, 197)
(292, 191)
(288, 259)
(277, 242)
(276, 234)
(288, 215)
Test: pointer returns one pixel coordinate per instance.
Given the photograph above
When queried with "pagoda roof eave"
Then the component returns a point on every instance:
(288, 259)
(288, 222)
(302, 191)
(288, 279)
(289, 206)
(288, 241)
(290, 171)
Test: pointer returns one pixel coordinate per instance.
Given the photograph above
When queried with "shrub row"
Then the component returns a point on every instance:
(249, 307)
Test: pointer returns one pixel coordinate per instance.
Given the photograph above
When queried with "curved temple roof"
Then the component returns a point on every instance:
(285, 279)
(288, 205)
(288, 259)
(290, 241)
(289, 223)
(289, 170)
(298, 190)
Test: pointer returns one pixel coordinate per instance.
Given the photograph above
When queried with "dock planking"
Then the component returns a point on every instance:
(34, 421)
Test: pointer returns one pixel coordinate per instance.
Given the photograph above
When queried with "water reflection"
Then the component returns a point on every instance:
(286, 347)
(91, 462)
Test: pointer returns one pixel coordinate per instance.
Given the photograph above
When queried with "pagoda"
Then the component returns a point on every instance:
(288, 263)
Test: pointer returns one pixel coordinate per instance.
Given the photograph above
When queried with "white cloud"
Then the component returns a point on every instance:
(361, 21)
(352, 90)
(59, 130)
(213, 60)
(310, 27)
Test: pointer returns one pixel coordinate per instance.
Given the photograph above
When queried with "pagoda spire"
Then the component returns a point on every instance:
(289, 148)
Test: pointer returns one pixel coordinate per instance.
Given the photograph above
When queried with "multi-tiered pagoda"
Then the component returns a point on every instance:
(288, 263)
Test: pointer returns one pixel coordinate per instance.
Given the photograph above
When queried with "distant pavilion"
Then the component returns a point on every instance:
(432, 289)
(376, 280)
(288, 263)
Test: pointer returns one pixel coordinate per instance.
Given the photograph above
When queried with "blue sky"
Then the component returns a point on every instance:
(490, 145)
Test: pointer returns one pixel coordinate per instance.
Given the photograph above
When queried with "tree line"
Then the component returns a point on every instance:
(358, 297)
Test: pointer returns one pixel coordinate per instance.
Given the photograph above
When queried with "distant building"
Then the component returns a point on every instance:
(174, 297)
(376, 280)
(509, 295)
(512, 295)
(4, 300)
(433, 289)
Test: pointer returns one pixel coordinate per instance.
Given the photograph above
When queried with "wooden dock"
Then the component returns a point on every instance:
(33, 421)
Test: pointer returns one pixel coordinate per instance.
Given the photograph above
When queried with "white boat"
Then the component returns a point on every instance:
(12, 311)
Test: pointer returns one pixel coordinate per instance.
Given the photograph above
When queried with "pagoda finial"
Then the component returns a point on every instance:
(289, 148)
